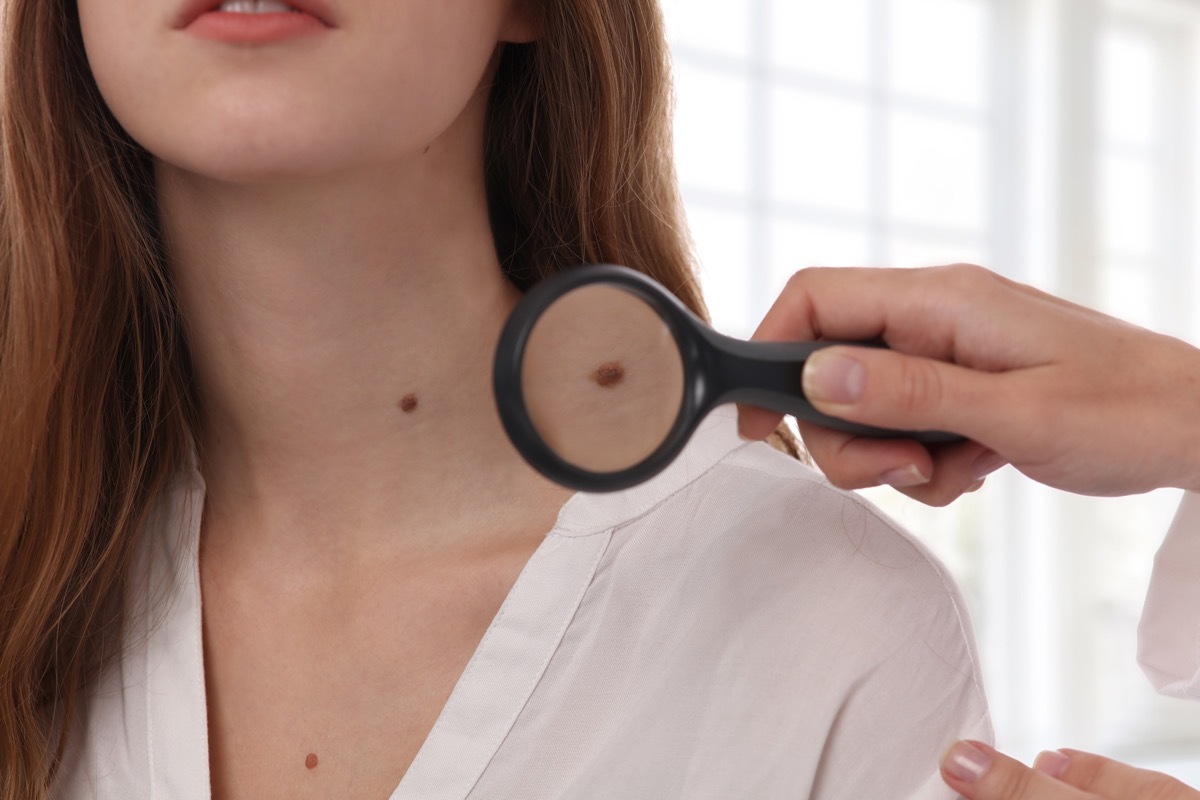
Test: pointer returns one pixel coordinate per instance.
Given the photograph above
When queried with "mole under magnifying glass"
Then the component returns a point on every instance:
(608, 374)
(572, 324)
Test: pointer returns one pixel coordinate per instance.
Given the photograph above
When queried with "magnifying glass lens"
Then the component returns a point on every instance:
(602, 378)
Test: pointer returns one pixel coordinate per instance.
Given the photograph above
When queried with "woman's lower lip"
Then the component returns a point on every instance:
(232, 27)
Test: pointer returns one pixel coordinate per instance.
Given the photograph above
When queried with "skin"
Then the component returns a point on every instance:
(602, 379)
(332, 252)
(1070, 397)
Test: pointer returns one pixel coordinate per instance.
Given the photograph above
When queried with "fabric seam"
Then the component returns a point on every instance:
(642, 511)
(541, 674)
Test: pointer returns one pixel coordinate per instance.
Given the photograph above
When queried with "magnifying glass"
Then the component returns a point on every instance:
(602, 375)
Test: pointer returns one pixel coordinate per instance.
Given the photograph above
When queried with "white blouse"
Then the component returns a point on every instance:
(1169, 632)
(733, 628)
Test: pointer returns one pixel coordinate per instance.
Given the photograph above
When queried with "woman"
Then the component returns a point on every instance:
(261, 533)
(1070, 397)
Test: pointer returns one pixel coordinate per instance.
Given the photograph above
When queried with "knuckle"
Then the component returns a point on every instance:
(836, 473)
(972, 272)
(841, 479)
(795, 304)
(821, 450)
(839, 475)
(1163, 787)
(804, 282)
(964, 280)
(933, 496)
(1014, 784)
(833, 455)
(920, 386)
(944, 497)
(800, 278)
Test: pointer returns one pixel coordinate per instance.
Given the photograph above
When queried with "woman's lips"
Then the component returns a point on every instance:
(204, 18)
(254, 28)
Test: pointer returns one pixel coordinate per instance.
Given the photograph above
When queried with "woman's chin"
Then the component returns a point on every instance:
(240, 163)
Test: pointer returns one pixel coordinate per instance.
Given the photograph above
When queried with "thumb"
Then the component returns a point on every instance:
(888, 389)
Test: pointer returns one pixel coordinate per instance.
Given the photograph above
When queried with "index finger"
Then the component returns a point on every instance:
(959, 313)
(859, 303)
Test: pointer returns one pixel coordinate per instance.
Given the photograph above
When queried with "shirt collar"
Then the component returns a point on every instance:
(587, 513)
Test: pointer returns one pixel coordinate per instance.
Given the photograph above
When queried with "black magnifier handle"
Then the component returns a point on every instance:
(769, 375)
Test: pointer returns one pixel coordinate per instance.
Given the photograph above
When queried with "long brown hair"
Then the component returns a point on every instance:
(96, 411)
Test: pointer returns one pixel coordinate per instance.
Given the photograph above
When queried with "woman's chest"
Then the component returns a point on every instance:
(324, 696)
(286, 685)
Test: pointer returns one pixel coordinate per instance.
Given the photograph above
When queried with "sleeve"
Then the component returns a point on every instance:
(1169, 631)
(920, 693)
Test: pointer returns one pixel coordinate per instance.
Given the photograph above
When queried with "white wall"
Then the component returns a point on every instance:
(1051, 140)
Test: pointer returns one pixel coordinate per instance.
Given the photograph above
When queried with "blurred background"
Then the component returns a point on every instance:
(1053, 141)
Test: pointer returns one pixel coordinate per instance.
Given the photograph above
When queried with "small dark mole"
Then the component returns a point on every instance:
(608, 374)
(408, 403)
(311, 760)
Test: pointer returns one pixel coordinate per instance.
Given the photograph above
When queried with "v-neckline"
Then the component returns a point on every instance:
(504, 669)
(486, 701)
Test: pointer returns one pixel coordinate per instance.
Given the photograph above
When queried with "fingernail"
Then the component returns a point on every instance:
(1052, 762)
(904, 477)
(966, 762)
(835, 379)
(985, 464)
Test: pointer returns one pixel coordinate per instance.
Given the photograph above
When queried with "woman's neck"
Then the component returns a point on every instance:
(342, 332)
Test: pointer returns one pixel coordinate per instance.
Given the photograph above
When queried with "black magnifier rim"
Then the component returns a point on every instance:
(509, 392)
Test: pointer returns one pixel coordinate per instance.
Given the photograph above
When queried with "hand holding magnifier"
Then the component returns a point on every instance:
(601, 377)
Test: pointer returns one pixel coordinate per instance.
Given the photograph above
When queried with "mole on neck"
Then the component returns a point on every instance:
(608, 374)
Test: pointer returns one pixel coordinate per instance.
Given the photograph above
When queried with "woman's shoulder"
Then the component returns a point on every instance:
(805, 595)
(761, 538)
(757, 507)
